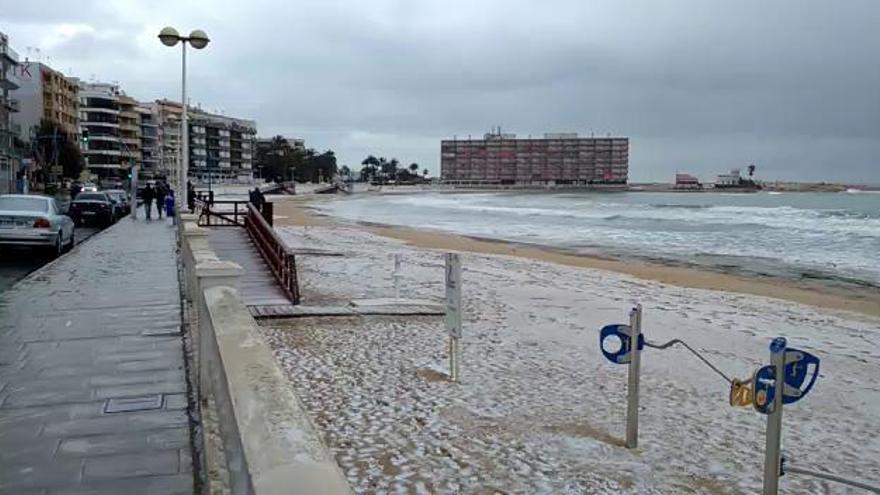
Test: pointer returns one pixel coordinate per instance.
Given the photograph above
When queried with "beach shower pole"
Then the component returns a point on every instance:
(773, 449)
(632, 389)
(453, 313)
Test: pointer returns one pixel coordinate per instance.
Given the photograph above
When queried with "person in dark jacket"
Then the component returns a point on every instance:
(161, 191)
(259, 199)
(148, 196)
(75, 189)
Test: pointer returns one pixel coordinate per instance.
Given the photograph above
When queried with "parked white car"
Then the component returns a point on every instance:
(37, 221)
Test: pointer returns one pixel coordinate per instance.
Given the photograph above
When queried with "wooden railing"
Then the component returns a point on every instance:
(222, 213)
(279, 258)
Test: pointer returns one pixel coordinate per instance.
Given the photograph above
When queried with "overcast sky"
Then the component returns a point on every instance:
(698, 86)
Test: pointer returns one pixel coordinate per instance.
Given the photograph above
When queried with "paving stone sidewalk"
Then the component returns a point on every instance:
(92, 379)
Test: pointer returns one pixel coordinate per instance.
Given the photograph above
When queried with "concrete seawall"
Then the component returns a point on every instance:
(269, 443)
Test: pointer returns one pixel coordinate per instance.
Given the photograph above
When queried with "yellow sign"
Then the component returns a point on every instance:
(741, 394)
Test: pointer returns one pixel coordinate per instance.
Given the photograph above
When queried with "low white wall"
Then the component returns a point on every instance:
(269, 442)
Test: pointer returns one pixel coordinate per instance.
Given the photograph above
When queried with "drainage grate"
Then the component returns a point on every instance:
(129, 404)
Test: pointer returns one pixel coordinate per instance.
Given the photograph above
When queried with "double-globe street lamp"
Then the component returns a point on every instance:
(198, 39)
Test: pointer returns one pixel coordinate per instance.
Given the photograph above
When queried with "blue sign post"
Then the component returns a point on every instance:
(789, 377)
(631, 344)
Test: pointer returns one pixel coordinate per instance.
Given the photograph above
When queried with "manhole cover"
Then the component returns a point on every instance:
(129, 404)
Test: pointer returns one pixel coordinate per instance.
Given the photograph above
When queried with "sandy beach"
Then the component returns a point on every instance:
(296, 212)
(539, 409)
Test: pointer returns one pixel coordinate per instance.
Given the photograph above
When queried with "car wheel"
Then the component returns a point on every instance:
(72, 241)
(58, 249)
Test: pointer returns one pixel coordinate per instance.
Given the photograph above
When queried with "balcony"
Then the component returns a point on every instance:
(103, 137)
(7, 84)
(10, 104)
(7, 52)
(101, 104)
(91, 152)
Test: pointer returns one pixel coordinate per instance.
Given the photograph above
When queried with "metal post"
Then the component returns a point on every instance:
(773, 449)
(396, 276)
(184, 124)
(453, 313)
(134, 190)
(268, 212)
(632, 389)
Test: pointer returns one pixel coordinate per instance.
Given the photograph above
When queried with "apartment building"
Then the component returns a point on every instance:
(565, 159)
(221, 147)
(47, 95)
(99, 114)
(9, 159)
(168, 116)
(129, 132)
(150, 146)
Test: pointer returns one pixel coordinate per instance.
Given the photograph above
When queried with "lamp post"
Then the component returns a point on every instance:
(198, 39)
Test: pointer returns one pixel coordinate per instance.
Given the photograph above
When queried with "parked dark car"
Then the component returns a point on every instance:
(93, 207)
(122, 202)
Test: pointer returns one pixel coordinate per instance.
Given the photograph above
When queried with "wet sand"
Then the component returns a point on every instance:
(296, 212)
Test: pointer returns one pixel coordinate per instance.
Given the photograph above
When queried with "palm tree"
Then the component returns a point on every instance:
(425, 173)
(414, 168)
(371, 166)
(389, 168)
(751, 170)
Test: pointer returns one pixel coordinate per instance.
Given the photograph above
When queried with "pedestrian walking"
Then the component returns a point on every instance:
(148, 195)
(161, 191)
(169, 205)
(75, 189)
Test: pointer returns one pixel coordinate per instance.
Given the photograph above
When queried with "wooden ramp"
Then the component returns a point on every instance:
(257, 285)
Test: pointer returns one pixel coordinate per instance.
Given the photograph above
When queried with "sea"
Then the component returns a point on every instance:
(833, 237)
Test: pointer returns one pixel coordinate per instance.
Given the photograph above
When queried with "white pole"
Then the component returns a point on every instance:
(184, 134)
(773, 448)
(632, 389)
(453, 313)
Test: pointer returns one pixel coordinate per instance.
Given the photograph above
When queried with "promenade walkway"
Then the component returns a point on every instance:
(92, 379)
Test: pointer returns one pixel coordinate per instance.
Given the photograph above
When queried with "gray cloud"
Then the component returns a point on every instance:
(698, 85)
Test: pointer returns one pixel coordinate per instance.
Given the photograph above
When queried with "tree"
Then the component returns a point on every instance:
(414, 168)
(370, 168)
(324, 166)
(280, 160)
(425, 173)
(751, 170)
(345, 171)
(277, 159)
(389, 168)
(55, 147)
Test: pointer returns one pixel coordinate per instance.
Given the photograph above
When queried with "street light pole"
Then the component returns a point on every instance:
(184, 128)
(198, 39)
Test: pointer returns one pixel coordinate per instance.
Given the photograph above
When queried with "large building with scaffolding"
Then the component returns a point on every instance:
(502, 160)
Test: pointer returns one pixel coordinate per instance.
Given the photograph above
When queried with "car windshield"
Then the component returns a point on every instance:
(92, 196)
(12, 203)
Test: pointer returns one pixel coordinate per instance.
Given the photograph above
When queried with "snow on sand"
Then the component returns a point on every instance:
(539, 409)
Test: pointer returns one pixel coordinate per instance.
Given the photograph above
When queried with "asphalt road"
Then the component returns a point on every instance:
(16, 263)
